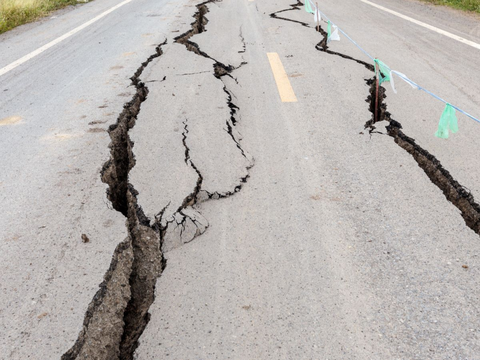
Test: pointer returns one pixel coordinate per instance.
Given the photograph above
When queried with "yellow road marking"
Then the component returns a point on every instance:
(281, 78)
(10, 120)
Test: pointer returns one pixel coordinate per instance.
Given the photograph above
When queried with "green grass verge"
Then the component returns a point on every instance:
(18, 12)
(468, 5)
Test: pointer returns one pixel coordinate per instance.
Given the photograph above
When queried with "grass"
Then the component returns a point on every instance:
(18, 12)
(468, 5)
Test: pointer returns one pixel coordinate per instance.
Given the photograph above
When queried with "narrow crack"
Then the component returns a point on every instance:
(297, 6)
(118, 313)
(151, 81)
(322, 46)
(192, 198)
(186, 218)
(242, 39)
(198, 27)
(194, 73)
(454, 192)
(231, 123)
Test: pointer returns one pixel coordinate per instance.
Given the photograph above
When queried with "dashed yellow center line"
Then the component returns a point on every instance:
(281, 78)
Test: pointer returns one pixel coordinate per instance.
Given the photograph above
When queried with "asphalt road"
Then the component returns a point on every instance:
(288, 230)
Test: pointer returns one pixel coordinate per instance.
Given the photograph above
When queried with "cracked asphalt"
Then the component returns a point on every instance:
(159, 200)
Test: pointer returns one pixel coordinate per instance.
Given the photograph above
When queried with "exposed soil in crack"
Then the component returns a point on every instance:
(147, 266)
(118, 313)
(103, 323)
(454, 192)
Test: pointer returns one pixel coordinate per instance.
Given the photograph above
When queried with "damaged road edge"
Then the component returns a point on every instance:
(118, 313)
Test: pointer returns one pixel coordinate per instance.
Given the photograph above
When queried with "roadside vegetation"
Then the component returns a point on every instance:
(18, 12)
(468, 5)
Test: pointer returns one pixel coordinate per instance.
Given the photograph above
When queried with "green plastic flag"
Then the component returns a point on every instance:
(308, 7)
(384, 71)
(329, 30)
(448, 121)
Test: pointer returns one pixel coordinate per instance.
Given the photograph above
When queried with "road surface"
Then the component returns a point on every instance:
(192, 180)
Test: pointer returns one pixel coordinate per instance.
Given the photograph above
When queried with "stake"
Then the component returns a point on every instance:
(376, 94)
(318, 17)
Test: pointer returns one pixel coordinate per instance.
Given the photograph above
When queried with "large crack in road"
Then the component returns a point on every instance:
(454, 192)
(457, 194)
(118, 314)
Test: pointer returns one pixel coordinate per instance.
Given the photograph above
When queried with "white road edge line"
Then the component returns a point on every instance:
(430, 27)
(45, 47)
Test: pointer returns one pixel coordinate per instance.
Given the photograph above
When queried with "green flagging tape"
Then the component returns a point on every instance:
(384, 71)
(308, 8)
(448, 121)
(329, 30)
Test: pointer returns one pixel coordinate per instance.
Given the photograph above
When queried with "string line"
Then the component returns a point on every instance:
(393, 71)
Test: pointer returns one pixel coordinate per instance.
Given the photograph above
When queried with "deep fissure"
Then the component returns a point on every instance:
(453, 191)
(118, 313)
(438, 175)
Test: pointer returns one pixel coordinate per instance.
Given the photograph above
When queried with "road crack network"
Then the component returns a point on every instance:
(454, 192)
(118, 314)
(186, 216)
